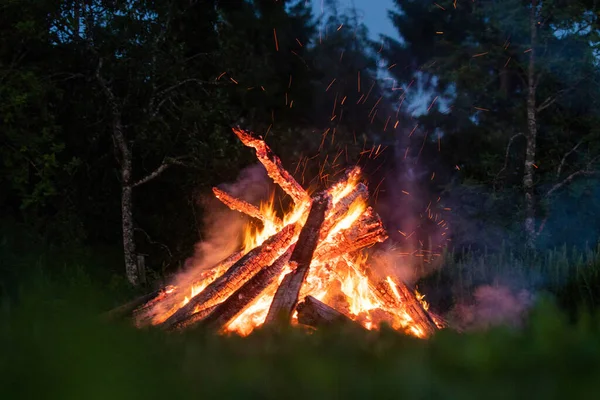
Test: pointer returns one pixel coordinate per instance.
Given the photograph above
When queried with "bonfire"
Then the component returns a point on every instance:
(308, 268)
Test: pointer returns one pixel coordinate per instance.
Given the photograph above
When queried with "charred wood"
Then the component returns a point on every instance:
(367, 231)
(126, 310)
(314, 313)
(192, 319)
(243, 206)
(161, 308)
(273, 166)
(286, 297)
(397, 296)
(237, 275)
(235, 304)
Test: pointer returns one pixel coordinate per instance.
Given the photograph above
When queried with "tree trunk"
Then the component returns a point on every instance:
(127, 225)
(531, 135)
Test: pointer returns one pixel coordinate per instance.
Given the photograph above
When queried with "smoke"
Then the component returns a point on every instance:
(492, 306)
(223, 227)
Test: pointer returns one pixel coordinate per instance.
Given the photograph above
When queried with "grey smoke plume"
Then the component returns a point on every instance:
(222, 226)
(493, 306)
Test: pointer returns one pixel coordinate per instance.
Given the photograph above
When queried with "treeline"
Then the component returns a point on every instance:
(512, 96)
(116, 115)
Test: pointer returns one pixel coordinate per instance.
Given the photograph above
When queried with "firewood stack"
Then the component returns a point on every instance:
(314, 255)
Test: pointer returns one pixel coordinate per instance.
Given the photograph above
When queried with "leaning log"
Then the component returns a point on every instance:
(244, 207)
(366, 231)
(274, 167)
(127, 309)
(192, 319)
(286, 296)
(235, 304)
(237, 275)
(160, 309)
(317, 314)
(397, 296)
(358, 195)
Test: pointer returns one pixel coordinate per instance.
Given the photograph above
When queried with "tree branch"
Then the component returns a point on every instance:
(161, 96)
(587, 171)
(167, 163)
(564, 159)
(507, 153)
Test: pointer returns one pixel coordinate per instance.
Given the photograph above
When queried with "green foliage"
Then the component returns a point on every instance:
(475, 57)
(69, 353)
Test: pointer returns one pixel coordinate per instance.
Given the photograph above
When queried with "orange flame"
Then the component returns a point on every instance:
(353, 285)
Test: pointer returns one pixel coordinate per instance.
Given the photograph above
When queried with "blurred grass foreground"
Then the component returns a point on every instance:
(54, 345)
(70, 356)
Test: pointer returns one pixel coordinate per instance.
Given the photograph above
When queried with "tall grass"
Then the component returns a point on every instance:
(573, 275)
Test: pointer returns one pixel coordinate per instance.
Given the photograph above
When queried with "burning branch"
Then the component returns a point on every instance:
(273, 166)
(244, 207)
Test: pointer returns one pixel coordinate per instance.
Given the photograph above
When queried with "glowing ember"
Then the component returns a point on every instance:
(338, 274)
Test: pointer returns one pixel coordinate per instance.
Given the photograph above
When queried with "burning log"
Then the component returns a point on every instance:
(397, 296)
(162, 307)
(237, 275)
(192, 319)
(273, 166)
(235, 295)
(341, 208)
(286, 297)
(314, 313)
(241, 298)
(128, 308)
(243, 206)
(367, 231)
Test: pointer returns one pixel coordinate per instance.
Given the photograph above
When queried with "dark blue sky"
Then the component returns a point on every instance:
(375, 13)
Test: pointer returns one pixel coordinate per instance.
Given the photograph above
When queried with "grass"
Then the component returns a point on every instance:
(61, 350)
(54, 346)
(571, 275)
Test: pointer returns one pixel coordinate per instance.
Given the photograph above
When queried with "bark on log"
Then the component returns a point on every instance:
(243, 207)
(192, 319)
(286, 296)
(341, 208)
(408, 302)
(366, 231)
(273, 166)
(337, 191)
(235, 304)
(158, 310)
(314, 313)
(126, 310)
(238, 274)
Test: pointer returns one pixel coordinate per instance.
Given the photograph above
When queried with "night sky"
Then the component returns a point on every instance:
(375, 13)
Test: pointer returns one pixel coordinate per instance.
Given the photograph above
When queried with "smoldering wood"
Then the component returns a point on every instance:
(127, 309)
(160, 309)
(286, 296)
(243, 206)
(237, 275)
(192, 319)
(239, 300)
(407, 301)
(273, 166)
(315, 313)
(341, 208)
(367, 231)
